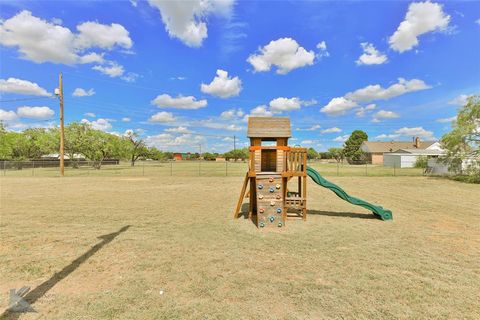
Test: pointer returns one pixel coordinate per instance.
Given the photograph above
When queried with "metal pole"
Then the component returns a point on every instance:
(62, 128)
(199, 167)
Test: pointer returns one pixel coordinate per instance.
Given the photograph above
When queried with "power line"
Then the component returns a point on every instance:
(26, 99)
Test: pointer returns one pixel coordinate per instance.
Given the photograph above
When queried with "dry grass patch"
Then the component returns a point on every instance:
(182, 241)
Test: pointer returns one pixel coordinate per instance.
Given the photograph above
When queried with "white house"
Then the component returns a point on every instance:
(406, 158)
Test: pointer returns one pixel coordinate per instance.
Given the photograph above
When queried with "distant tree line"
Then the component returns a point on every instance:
(80, 140)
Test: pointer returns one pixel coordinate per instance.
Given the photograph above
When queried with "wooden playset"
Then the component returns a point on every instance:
(274, 168)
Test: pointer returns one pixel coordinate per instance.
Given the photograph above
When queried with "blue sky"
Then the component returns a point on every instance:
(184, 74)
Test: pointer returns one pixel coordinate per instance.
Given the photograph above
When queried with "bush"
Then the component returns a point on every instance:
(467, 178)
(421, 162)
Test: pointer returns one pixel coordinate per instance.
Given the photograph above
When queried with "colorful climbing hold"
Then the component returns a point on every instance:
(272, 218)
(272, 203)
(271, 190)
(261, 210)
(262, 224)
(260, 186)
(279, 210)
(278, 196)
(270, 179)
(260, 196)
(280, 224)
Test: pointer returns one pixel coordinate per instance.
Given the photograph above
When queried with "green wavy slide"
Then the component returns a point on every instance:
(378, 211)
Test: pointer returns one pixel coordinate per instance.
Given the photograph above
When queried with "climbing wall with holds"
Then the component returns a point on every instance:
(270, 204)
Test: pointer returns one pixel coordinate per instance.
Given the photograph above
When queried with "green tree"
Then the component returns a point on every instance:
(352, 149)
(136, 147)
(101, 146)
(312, 154)
(336, 153)
(464, 139)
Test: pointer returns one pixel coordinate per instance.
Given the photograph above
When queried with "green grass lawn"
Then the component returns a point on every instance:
(130, 247)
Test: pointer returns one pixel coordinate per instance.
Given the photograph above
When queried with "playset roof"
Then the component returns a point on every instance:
(269, 127)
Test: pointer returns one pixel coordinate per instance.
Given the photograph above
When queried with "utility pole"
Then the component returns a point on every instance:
(234, 143)
(59, 92)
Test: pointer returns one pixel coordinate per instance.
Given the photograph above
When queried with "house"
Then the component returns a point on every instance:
(406, 158)
(181, 156)
(376, 149)
(220, 159)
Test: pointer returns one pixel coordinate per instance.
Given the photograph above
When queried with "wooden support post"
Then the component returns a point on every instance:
(62, 127)
(242, 195)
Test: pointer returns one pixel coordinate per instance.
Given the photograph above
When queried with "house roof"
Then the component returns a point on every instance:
(269, 127)
(391, 146)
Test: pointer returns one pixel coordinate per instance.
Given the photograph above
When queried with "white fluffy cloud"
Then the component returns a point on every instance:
(312, 128)
(342, 138)
(447, 120)
(331, 130)
(99, 124)
(258, 111)
(162, 117)
(79, 92)
(180, 102)
(371, 55)
(360, 112)
(415, 132)
(421, 17)
(112, 69)
(223, 86)
(7, 115)
(383, 114)
(38, 113)
(90, 115)
(338, 106)
(18, 86)
(387, 136)
(460, 100)
(41, 41)
(179, 129)
(232, 114)
(94, 34)
(377, 92)
(126, 119)
(187, 20)
(322, 49)
(285, 54)
(281, 104)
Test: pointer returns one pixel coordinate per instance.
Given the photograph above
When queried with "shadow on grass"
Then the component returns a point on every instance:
(32, 296)
(342, 214)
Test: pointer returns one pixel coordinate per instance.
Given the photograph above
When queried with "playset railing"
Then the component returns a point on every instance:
(293, 160)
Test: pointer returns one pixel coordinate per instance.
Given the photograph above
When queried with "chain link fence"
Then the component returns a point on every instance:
(189, 168)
